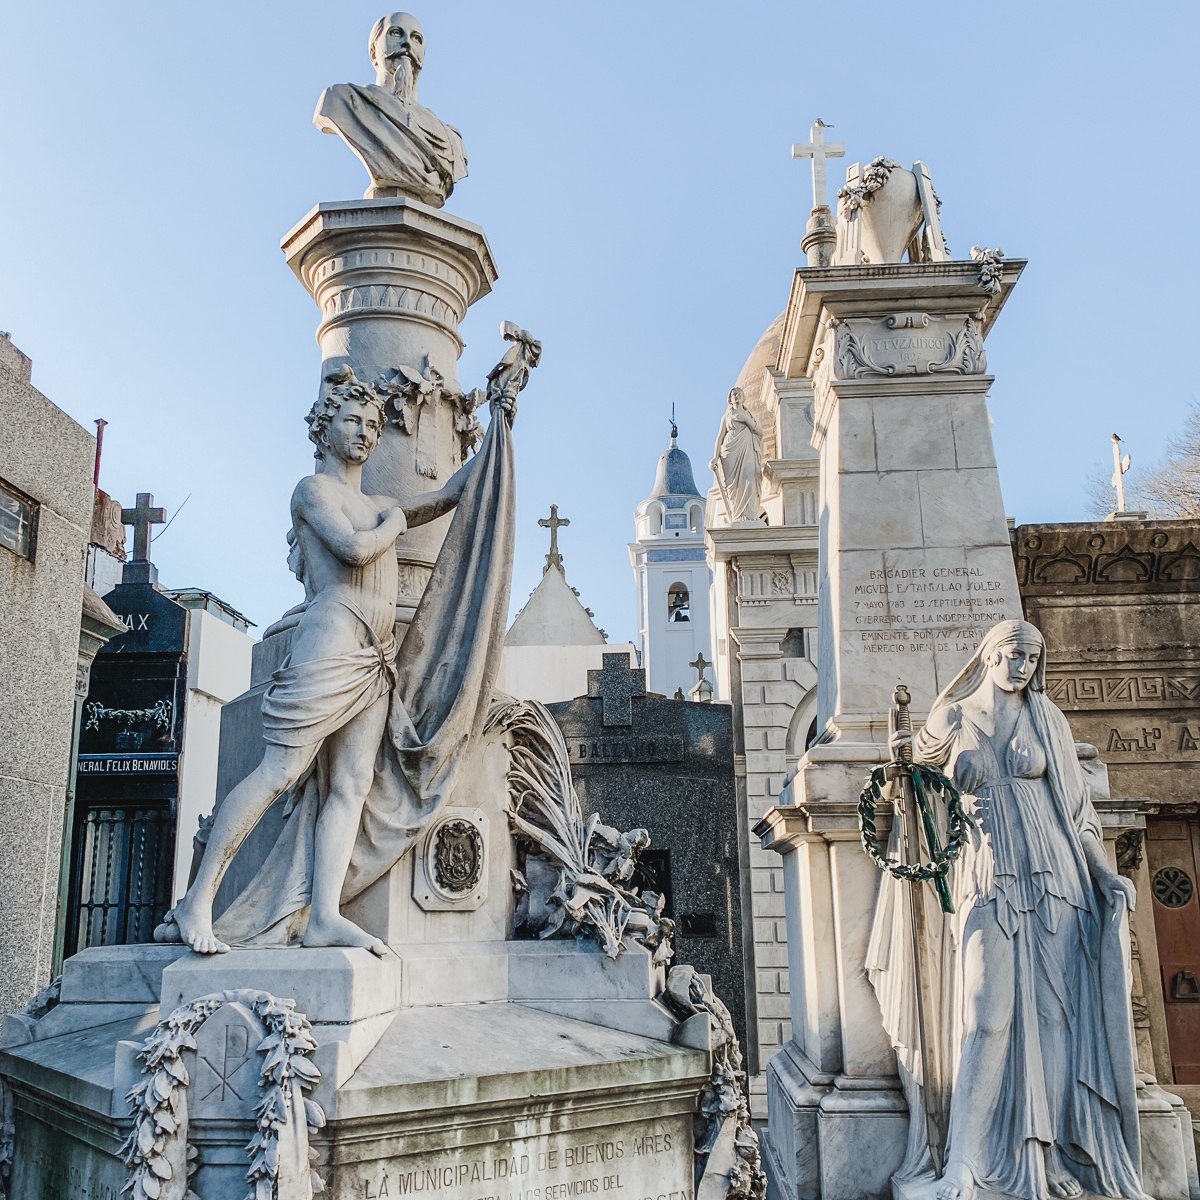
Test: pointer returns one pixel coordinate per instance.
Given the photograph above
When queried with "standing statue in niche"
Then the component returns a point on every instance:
(367, 739)
(737, 461)
(1029, 979)
(406, 149)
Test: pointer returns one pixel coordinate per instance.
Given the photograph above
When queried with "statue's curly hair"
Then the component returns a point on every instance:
(340, 385)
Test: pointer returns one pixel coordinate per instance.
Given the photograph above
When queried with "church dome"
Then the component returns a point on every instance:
(764, 354)
(674, 476)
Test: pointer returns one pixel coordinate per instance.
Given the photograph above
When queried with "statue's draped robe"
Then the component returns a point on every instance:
(1067, 1077)
(739, 455)
(440, 687)
(403, 146)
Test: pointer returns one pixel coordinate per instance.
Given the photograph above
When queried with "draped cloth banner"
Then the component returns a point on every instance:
(445, 672)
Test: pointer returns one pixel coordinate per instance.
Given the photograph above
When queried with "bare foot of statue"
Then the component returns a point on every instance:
(1062, 1183)
(184, 925)
(957, 1183)
(340, 931)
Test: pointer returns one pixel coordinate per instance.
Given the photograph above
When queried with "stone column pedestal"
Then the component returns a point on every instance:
(393, 279)
(820, 237)
(915, 566)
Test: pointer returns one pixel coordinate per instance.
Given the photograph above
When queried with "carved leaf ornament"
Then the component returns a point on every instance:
(873, 178)
(964, 354)
(590, 862)
(927, 782)
(157, 1150)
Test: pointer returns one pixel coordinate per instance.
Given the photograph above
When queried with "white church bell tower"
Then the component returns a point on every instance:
(672, 577)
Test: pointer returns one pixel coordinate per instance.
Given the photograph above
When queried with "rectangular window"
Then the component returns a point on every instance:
(18, 520)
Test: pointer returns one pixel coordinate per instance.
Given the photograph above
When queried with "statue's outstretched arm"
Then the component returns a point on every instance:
(432, 505)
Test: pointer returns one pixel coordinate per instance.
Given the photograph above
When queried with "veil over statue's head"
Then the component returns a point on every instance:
(1003, 635)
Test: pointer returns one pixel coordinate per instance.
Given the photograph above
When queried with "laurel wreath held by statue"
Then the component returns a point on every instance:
(927, 782)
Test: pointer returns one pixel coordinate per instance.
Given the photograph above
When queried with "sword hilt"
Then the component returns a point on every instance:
(902, 700)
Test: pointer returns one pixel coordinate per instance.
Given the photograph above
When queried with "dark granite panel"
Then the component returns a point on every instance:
(667, 766)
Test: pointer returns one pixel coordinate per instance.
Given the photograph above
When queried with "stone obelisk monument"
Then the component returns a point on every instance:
(915, 567)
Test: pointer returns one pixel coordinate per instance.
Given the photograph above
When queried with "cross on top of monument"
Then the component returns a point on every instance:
(616, 684)
(553, 523)
(143, 516)
(700, 662)
(819, 150)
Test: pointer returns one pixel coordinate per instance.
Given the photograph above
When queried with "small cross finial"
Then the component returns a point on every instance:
(553, 523)
(1120, 466)
(143, 516)
(819, 150)
(700, 663)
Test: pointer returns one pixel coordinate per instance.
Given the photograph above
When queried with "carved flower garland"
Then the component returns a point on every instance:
(153, 1148)
(158, 1100)
(991, 269)
(873, 178)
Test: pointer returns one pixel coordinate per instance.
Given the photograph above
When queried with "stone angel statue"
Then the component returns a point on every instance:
(1032, 1015)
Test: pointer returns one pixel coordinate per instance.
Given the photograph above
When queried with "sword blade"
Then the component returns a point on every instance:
(932, 1077)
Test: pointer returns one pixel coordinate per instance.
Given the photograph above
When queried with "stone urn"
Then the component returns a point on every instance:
(889, 218)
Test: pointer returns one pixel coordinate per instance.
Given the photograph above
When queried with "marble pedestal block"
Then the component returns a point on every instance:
(393, 280)
(503, 1098)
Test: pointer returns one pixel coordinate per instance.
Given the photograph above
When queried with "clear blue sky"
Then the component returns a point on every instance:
(630, 164)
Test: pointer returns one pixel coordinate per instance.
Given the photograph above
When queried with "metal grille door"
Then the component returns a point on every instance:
(123, 882)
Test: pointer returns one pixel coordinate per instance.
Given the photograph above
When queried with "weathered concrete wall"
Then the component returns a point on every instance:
(49, 457)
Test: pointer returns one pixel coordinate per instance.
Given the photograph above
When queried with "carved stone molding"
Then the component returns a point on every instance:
(389, 296)
(883, 346)
(1106, 556)
(1123, 689)
(768, 578)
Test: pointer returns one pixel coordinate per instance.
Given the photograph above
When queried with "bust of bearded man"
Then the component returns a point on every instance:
(406, 149)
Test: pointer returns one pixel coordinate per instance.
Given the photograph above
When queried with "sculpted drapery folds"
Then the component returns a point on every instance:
(406, 149)
(367, 739)
(1029, 976)
(737, 460)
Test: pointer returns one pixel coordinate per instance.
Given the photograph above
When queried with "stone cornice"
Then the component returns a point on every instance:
(727, 541)
(793, 470)
(947, 287)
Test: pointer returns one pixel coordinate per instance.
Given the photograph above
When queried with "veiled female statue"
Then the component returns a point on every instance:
(737, 460)
(1032, 1018)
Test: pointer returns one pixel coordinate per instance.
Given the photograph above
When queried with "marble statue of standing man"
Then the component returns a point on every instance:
(334, 695)
(406, 149)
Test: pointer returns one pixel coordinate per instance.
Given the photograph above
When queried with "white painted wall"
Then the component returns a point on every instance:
(218, 670)
(552, 673)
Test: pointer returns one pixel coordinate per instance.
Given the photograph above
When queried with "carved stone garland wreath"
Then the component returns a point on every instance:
(873, 178)
(926, 781)
(157, 1151)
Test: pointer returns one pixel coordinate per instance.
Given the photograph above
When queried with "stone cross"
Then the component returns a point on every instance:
(616, 684)
(819, 150)
(700, 663)
(553, 523)
(142, 517)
